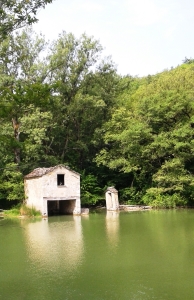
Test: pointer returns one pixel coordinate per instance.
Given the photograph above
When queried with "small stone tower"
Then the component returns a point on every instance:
(112, 201)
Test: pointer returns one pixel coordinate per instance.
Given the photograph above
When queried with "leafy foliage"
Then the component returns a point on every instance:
(91, 193)
(11, 183)
(151, 135)
(156, 198)
(18, 13)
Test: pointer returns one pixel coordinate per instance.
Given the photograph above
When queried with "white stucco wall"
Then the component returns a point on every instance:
(33, 193)
(112, 201)
(70, 190)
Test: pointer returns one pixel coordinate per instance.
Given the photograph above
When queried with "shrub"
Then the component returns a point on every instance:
(156, 199)
(91, 193)
(11, 183)
(14, 212)
(130, 195)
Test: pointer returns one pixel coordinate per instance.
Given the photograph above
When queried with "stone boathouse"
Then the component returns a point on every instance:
(54, 190)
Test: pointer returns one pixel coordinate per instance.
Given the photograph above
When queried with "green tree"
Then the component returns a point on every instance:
(21, 84)
(152, 132)
(17, 14)
(91, 193)
(84, 91)
(11, 183)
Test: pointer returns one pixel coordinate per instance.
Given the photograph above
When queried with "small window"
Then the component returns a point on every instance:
(60, 179)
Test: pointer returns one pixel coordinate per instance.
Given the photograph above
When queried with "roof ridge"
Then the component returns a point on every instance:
(39, 172)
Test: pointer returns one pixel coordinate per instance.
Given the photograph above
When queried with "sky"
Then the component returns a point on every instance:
(142, 36)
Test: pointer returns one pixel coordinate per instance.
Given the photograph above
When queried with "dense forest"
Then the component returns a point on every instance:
(62, 102)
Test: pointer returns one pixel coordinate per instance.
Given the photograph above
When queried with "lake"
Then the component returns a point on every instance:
(126, 255)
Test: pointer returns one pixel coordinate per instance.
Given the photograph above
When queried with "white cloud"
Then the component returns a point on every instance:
(87, 6)
(145, 12)
(170, 32)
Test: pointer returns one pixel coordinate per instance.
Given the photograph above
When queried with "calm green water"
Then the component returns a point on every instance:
(137, 255)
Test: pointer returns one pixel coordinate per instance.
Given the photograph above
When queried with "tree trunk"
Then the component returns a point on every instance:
(16, 127)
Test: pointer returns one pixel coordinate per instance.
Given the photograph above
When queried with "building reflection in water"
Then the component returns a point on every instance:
(55, 242)
(112, 227)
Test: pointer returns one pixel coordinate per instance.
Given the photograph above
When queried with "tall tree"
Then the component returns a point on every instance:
(85, 88)
(21, 80)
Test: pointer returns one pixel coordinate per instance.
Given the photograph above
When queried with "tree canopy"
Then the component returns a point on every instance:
(150, 134)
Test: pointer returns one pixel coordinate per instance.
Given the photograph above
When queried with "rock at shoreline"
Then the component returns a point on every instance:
(85, 211)
(134, 207)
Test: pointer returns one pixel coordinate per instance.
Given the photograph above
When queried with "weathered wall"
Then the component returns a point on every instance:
(33, 192)
(112, 201)
(70, 190)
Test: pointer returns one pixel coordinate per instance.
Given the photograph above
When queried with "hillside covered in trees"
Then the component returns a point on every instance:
(61, 102)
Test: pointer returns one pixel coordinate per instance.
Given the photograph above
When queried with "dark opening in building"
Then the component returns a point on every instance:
(60, 179)
(60, 207)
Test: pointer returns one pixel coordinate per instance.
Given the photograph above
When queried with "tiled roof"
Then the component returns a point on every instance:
(39, 172)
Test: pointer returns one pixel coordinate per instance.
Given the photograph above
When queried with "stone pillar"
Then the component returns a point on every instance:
(77, 208)
(112, 201)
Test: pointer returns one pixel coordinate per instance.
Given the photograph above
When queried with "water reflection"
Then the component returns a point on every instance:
(112, 227)
(139, 255)
(55, 242)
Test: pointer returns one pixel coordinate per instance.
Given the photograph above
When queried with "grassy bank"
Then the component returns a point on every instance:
(21, 210)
